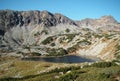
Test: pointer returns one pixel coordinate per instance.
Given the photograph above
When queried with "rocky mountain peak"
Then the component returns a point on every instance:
(105, 22)
(63, 19)
(10, 18)
(108, 19)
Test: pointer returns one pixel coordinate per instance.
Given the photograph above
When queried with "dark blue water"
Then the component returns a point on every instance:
(62, 59)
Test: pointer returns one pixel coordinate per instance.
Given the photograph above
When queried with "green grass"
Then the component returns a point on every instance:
(84, 41)
(70, 37)
(76, 46)
(73, 48)
(117, 54)
(67, 30)
(36, 54)
(89, 73)
(47, 40)
(45, 31)
(57, 52)
(52, 44)
(103, 64)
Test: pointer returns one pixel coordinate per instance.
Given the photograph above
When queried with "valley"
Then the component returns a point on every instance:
(39, 44)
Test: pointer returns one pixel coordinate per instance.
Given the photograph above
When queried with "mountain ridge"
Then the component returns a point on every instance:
(44, 32)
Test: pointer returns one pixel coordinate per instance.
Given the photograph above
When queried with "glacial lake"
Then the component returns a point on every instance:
(62, 59)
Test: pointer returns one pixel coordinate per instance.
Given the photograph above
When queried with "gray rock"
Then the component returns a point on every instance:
(18, 28)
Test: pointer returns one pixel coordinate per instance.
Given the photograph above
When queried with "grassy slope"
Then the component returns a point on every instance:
(11, 67)
(29, 69)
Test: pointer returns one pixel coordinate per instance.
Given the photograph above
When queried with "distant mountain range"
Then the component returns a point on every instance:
(10, 18)
(42, 30)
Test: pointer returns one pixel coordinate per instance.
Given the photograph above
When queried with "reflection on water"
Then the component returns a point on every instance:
(62, 59)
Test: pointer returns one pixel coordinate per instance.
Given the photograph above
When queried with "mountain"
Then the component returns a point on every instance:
(11, 18)
(42, 32)
(107, 22)
(21, 21)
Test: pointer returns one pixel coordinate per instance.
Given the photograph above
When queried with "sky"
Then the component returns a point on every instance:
(74, 9)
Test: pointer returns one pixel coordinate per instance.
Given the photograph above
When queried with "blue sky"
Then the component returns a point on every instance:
(74, 9)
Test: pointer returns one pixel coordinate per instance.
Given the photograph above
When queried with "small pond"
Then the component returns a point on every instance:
(62, 59)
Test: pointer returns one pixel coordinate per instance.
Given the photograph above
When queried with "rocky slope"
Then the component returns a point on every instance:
(14, 25)
(104, 23)
(42, 32)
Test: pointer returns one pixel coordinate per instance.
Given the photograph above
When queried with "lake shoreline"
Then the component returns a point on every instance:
(72, 58)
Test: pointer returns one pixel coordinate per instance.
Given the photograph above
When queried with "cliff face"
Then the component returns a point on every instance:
(9, 18)
(42, 30)
(14, 24)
